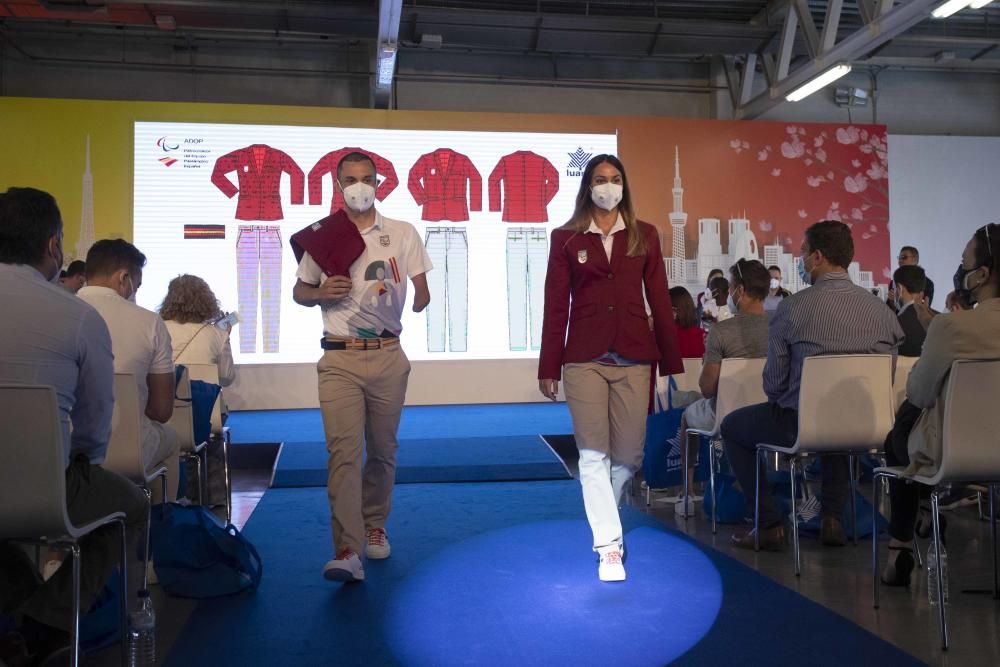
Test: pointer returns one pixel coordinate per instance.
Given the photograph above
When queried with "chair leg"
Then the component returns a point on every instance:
(993, 538)
(795, 521)
(851, 460)
(74, 630)
(201, 482)
(123, 594)
(942, 619)
(685, 445)
(148, 538)
(647, 494)
(756, 504)
(229, 481)
(875, 590)
(711, 483)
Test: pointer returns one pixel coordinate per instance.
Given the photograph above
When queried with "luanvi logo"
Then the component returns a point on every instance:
(577, 162)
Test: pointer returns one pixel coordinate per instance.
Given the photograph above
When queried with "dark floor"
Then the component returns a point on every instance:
(837, 578)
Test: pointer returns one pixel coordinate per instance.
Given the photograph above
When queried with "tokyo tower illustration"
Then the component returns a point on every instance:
(86, 238)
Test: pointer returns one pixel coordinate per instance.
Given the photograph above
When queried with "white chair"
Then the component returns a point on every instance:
(969, 453)
(688, 381)
(125, 450)
(210, 373)
(845, 407)
(33, 479)
(182, 421)
(903, 367)
(740, 384)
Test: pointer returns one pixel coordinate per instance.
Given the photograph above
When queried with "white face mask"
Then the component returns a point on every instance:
(775, 283)
(359, 196)
(606, 195)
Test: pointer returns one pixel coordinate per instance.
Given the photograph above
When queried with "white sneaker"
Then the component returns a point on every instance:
(377, 546)
(345, 567)
(50, 568)
(611, 567)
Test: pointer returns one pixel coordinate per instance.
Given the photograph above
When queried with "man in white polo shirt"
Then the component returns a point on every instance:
(363, 371)
(141, 345)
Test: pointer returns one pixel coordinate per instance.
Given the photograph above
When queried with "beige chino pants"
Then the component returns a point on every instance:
(608, 405)
(361, 396)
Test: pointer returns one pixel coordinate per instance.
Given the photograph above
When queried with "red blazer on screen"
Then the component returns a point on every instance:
(529, 184)
(258, 169)
(439, 181)
(602, 303)
(328, 165)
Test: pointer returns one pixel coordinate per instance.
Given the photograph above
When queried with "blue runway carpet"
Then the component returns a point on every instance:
(502, 574)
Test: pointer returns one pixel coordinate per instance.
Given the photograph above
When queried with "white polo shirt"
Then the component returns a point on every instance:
(139, 338)
(393, 252)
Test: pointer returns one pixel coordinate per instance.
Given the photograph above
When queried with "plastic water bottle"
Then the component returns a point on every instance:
(932, 591)
(142, 633)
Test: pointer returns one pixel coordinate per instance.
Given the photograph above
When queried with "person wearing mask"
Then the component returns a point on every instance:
(601, 264)
(834, 316)
(49, 337)
(913, 314)
(955, 301)
(142, 347)
(74, 277)
(775, 292)
(717, 308)
(915, 441)
(910, 256)
(190, 311)
(363, 372)
(706, 297)
(690, 336)
(741, 336)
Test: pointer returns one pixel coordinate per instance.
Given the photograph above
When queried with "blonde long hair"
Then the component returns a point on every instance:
(584, 211)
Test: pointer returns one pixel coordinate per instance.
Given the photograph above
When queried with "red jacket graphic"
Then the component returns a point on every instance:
(438, 183)
(258, 169)
(328, 165)
(602, 303)
(529, 184)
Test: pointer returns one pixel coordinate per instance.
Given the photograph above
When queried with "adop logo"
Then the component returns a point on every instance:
(168, 145)
(577, 162)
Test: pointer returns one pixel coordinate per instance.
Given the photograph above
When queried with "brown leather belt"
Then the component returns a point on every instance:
(357, 343)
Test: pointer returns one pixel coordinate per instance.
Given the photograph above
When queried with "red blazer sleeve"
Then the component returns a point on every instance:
(326, 165)
(225, 164)
(390, 181)
(475, 186)
(551, 180)
(658, 295)
(298, 178)
(556, 312)
(413, 182)
(493, 183)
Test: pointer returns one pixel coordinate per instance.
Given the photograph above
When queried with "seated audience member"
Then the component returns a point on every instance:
(956, 301)
(915, 440)
(742, 336)
(690, 336)
(834, 316)
(706, 296)
(190, 311)
(141, 345)
(716, 309)
(910, 256)
(775, 292)
(51, 338)
(74, 277)
(914, 315)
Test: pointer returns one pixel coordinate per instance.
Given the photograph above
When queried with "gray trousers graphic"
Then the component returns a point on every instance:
(448, 312)
(527, 261)
(258, 275)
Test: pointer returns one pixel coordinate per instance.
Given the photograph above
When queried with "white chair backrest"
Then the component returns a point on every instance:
(688, 381)
(182, 420)
(741, 383)
(209, 373)
(125, 449)
(32, 464)
(845, 402)
(971, 432)
(903, 367)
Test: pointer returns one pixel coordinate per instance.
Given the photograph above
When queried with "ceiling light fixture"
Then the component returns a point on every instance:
(817, 83)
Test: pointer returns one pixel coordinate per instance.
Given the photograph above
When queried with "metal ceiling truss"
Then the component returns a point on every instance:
(823, 47)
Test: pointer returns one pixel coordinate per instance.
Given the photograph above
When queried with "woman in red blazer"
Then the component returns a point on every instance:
(601, 263)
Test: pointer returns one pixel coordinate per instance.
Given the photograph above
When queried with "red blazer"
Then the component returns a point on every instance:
(607, 310)
(258, 169)
(529, 183)
(328, 165)
(438, 183)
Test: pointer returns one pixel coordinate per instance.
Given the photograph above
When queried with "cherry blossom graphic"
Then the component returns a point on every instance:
(776, 172)
(803, 213)
(765, 226)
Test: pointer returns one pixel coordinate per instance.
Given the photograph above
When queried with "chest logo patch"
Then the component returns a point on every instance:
(581, 256)
(384, 240)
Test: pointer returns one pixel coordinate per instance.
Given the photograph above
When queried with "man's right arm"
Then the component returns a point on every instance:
(95, 401)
